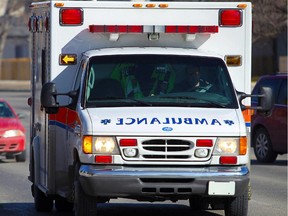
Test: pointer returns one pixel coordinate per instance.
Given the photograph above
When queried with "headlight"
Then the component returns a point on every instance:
(102, 145)
(13, 133)
(227, 146)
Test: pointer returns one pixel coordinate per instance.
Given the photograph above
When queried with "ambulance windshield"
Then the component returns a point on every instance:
(158, 80)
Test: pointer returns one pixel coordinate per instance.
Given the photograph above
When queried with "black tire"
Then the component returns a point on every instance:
(198, 203)
(42, 202)
(84, 205)
(21, 157)
(62, 205)
(263, 147)
(9, 156)
(237, 206)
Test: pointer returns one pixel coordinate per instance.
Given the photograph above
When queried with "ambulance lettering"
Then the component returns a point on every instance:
(166, 121)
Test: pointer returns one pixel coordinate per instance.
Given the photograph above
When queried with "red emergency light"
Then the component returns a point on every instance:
(116, 28)
(140, 29)
(104, 159)
(228, 160)
(191, 29)
(128, 142)
(230, 17)
(71, 16)
(204, 143)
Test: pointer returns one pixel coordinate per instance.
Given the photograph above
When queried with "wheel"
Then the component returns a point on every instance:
(61, 204)
(237, 206)
(84, 205)
(21, 157)
(42, 202)
(198, 203)
(263, 147)
(9, 156)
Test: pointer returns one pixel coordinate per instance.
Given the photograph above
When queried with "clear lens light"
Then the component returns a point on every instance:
(130, 152)
(13, 133)
(104, 145)
(227, 146)
(201, 153)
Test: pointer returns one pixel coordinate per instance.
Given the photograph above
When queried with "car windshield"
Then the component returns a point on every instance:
(5, 111)
(158, 80)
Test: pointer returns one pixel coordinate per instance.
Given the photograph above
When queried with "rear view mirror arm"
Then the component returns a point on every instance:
(265, 99)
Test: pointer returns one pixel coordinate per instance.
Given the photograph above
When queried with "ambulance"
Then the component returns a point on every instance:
(140, 100)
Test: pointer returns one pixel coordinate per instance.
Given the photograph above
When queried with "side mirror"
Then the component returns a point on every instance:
(49, 95)
(49, 98)
(265, 99)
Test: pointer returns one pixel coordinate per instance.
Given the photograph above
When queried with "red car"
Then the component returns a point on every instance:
(269, 129)
(12, 133)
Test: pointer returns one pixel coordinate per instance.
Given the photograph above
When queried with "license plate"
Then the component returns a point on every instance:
(221, 188)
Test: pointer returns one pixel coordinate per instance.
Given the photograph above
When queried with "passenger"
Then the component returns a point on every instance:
(192, 81)
(125, 73)
(163, 78)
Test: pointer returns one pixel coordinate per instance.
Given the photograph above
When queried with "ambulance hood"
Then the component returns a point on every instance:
(165, 121)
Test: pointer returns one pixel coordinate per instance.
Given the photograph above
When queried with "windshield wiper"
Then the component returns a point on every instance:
(199, 99)
(126, 100)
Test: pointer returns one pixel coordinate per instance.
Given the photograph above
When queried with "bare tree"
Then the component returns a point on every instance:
(9, 12)
(269, 19)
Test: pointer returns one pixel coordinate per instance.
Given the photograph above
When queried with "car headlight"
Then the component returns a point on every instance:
(231, 146)
(226, 146)
(13, 133)
(102, 145)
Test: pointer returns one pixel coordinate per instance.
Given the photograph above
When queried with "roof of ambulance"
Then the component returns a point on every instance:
(150, 50)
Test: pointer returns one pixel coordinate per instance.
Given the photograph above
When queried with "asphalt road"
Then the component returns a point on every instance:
(269, 185)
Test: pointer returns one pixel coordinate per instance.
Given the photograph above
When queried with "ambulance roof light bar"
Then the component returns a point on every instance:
(141, 29)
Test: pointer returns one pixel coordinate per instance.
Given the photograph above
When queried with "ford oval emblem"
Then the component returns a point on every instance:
(167, 129)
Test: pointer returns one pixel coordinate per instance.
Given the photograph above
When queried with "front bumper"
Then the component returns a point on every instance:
(12, 144)
(162, 182)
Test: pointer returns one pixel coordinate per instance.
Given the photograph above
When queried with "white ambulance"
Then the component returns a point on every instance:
(140, 100)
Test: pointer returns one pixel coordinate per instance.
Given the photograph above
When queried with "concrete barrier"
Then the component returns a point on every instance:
(15, 85)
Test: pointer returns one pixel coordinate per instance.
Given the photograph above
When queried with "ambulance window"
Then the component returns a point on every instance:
(159, 80)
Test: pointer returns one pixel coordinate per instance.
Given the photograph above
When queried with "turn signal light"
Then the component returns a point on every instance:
(87, 144)
(233, 60)
(243, 146)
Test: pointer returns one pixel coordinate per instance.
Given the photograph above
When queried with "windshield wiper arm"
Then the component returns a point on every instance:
(195, 98)
(125, 100)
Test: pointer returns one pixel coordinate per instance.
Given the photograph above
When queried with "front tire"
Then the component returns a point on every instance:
(41, 201)
(21, 157)
(84, 205)
(198, 203)
(62, 205)
(263, 147)
(237, 206)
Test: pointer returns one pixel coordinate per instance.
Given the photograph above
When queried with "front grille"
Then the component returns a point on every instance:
(162, 145)
(13, 146)
(5, 147)
(166, 149)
